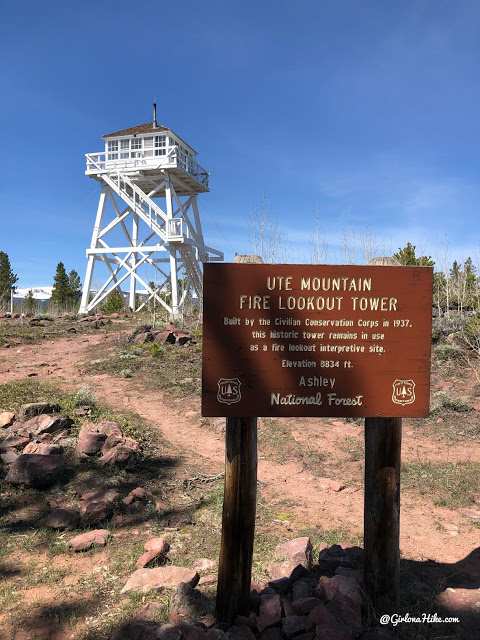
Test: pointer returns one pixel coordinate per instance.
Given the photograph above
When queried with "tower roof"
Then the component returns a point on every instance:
(146, 128)
(141, 128)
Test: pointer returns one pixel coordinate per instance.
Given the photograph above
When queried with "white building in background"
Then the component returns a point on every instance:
(150, 181)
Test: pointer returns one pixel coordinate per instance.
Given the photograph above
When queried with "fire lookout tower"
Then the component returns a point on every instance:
(150, 180)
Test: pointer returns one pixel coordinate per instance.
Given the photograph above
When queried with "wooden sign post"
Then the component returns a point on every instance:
(239, 510)
(315, 341)
(381, 524)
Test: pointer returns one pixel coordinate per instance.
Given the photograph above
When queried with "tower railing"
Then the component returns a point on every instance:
(104, 162)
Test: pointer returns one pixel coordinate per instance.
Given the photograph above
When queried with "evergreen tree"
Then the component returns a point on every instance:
(407, 257)
(114, 302)
(61, 292)
(75, 285)
(29, 302)
(7, 280)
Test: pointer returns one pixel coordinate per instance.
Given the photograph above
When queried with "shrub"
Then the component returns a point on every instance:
(471, 332)
(84, 397)
(126, 373)
(444, 400)
(448, 351)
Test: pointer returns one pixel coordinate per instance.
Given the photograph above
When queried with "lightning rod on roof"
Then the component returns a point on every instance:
(155, 115)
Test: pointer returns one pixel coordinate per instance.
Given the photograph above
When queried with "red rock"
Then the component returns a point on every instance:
(84, 541)
(293, 626)
(203, 564)
(165, 337)
(302, 589)
(287, 569)
(346, 611)
(477, 406)
(267, 620)
(143, 338)
(46, 423)
(157, 544)
(244, 621)
(241, 633)
(282, 585)
(147, 557)
(7, 418)
(209, 579)
(108, 427)
(328, 588)
(36, 408)
(271, 605)
(9, 457)
(104, 495)
(63, 519)
(137, 630)
(271, 633)
(319, 615)
(332, 557)
(36, 471)
(299, 550)
(43, 449)
(95, 512)
(333, 632)
(303, 606)
(90, 439)
(145, 580)
(15, 441)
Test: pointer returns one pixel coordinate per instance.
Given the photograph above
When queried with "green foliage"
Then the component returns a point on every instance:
(407, 257)
(75, 285)
(29, 304)
(471, 332)
(114, 302)
(8, 279)
(66, 290)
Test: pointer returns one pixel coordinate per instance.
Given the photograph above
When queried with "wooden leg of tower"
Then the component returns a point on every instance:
(174, 282)
(87, 284)
(133, 260)
(91, 258)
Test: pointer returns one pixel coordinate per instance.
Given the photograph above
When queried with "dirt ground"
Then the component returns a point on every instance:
(431, 534)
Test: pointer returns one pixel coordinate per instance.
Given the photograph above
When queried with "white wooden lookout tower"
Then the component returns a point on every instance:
(147, 229)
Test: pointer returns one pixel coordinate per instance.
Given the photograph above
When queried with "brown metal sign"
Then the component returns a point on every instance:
(316, 340)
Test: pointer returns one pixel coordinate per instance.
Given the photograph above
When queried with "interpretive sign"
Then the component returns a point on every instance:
(316, 340)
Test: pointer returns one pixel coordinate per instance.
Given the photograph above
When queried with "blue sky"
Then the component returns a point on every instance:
(364, 112)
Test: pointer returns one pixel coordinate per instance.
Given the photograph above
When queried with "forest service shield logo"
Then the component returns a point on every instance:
(229, 390)
(403, 392)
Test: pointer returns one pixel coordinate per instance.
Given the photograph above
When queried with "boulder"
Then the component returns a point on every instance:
(203, 564)
(157, 544)
(346, 611)
(293, 626)
(118, 449)
(328, 588)
(89, 539)
(36, 408)
(109, 428)
(37, 471)
(299, 550)
(7, 418)
(9, 456)
(303, 606)
(287, 569)
(145, 580)
(63, 519)
(90, 439)
(333, 632)
(165, 337)
(143, 338)
(42, 448)
(149, 556)
(45, 423)
(319, 615)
